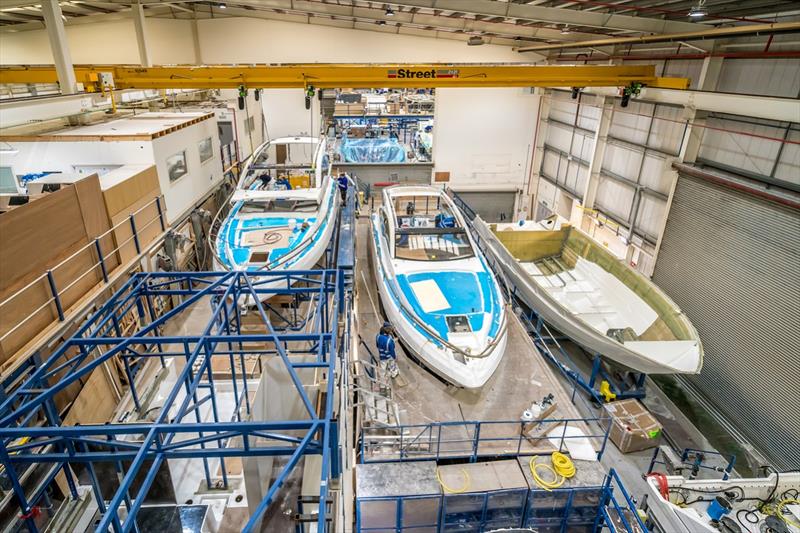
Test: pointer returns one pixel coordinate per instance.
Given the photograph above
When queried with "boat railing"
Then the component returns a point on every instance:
(59, 279)
(474, 440)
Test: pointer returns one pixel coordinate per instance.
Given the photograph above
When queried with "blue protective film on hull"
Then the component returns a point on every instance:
(372, 151)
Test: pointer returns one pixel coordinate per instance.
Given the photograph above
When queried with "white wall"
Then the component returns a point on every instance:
(286, 115)
(243, 40)
(247, 141)
(170, 41)
(484, 137)
(62, 156)
(184, 192)
(179, 195)
(247, 40)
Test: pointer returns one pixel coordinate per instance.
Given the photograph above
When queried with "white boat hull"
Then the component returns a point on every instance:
(470, 372)
(580, 332)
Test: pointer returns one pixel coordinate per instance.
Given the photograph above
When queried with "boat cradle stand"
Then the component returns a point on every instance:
(601, 384)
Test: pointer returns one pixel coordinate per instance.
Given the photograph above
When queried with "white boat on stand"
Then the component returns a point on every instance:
(436, 287)
(595, 299)
(283, 211)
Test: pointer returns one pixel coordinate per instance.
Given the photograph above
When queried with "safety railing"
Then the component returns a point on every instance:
(473, 440)
(694, 461)
(623, 509)
(104, 262)
(583, 508)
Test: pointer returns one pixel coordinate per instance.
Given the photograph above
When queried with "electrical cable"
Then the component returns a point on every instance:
(663, 485)
(561, 467)
(779, 512)
(450, 490)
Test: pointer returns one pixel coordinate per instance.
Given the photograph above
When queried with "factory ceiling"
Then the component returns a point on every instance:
(517, 23)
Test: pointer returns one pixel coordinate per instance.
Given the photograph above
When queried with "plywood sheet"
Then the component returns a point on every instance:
(122, 196)
(148, 227)
(34, 236)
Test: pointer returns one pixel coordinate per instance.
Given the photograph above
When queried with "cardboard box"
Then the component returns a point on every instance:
(348, 109)
(633, 428)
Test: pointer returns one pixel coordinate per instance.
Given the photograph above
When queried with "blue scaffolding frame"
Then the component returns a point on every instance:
(31, 428)
(586, 508)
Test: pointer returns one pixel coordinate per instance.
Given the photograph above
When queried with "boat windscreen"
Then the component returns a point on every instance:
(432, 244)
(279, 205)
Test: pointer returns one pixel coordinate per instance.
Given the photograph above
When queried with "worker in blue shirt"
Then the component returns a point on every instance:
(385, 343)
(343, 182)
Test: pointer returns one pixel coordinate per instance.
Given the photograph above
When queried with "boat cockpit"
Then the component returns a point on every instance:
(427, 229)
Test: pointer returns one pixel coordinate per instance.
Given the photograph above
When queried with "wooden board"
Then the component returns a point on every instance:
(148, 228)
(125, 194)
(49, 234)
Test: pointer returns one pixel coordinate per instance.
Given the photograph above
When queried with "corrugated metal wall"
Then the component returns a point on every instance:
(732, 263)
(492, 206)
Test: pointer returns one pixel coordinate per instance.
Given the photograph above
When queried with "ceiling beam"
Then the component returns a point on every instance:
(530, 12)
(554, 15)
(708, 33)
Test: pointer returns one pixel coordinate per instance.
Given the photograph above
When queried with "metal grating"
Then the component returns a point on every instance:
(732, 263)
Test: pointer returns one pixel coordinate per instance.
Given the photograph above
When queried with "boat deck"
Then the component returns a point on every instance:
(522, 377)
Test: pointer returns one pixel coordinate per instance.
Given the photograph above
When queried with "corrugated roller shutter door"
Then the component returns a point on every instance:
(732, 263)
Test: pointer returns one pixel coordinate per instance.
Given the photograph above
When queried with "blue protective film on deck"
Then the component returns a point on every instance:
(372, 151)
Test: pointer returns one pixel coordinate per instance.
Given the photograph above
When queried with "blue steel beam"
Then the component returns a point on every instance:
(27, 395)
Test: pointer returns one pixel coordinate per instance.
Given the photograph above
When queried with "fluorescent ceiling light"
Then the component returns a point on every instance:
(698, 11)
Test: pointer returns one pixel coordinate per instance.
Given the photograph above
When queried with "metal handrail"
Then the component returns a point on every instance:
(95, 244)
(474, 437)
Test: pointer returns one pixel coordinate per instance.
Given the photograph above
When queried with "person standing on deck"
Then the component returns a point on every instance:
(344, 183)
(385, 344)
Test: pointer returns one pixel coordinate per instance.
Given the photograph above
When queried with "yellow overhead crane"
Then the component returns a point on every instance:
(331, 75)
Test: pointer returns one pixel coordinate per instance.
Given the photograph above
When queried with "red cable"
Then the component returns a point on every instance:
(34, 513)
(663, 485)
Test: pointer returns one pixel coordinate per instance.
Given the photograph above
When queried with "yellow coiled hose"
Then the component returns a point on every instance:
(561, 468)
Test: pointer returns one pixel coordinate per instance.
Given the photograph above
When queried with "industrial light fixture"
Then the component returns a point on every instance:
(575, 91)
(7, 149)
(222, 5)
(476, 40)
(381, 23)
(565, 30)
(389, 12)
(698, 11)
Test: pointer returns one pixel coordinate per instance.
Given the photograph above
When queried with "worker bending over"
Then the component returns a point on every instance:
(385, 343)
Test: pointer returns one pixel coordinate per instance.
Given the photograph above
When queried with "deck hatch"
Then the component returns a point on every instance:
(458, 324)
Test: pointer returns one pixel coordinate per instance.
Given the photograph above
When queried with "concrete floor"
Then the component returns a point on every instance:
(521, 378)
(524, 376)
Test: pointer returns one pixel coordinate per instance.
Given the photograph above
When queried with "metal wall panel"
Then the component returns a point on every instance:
(775, 77)
(732, 263)
(492, 206)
